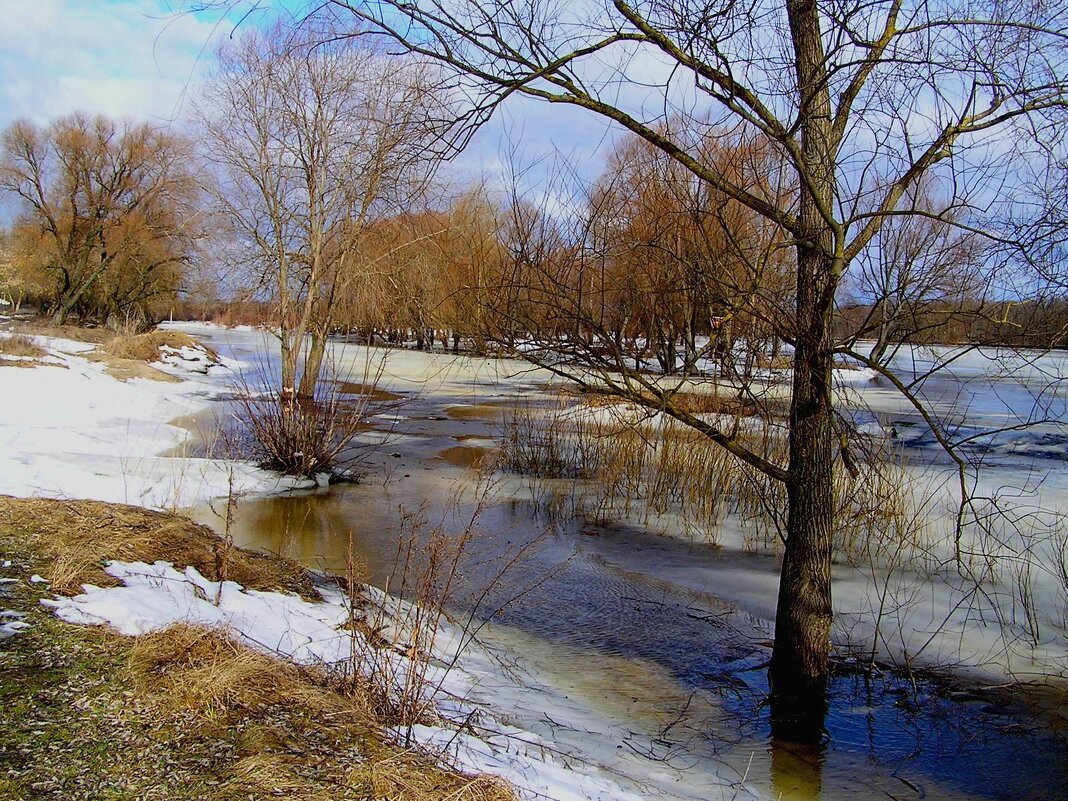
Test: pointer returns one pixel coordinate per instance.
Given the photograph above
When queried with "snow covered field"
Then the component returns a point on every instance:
(68, 429)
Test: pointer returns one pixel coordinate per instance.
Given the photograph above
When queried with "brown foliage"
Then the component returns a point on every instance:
(107, 220)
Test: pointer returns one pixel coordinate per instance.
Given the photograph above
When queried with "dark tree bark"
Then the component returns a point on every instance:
(800, 660)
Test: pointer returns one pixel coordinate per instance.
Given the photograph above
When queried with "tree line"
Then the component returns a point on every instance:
(122, 222)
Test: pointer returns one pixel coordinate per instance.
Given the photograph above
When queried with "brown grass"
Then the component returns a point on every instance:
(688, 402)
(188, 667)
(20, 345)
(188, 712)
(42, 327)
(74, 538)
(21, 363)
(147, 347)
(125, 369)
(296, 735)
(635, 472)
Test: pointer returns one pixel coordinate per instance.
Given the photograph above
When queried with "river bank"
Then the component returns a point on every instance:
(186, 711)
(72, 430)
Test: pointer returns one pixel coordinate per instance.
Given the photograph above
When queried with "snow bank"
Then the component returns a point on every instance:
(158, 595)
(68, 429)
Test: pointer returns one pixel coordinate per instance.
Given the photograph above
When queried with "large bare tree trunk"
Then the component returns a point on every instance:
(799, 663)
(800, 660)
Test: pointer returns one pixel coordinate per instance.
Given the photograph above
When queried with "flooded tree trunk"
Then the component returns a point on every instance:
(800, 662)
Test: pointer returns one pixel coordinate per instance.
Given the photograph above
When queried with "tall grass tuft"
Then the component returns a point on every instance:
(651, 468)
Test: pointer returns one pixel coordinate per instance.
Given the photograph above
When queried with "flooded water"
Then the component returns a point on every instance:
(636, 626)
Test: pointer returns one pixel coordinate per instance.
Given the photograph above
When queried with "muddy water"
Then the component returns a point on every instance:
(672, 676)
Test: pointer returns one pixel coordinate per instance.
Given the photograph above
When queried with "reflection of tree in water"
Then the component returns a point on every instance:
(311, 528)
(797, 771)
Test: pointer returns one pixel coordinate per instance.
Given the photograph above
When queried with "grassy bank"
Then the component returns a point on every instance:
(182, 714)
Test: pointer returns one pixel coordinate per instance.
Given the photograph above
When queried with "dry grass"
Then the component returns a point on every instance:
(688, 402)
(75, 538)
(20, 345)
(125, 357)
(185, 713)
(296, 734)
(147, 347)
(646, 473)
(20, 363)
(42, 327)
(125, 369)
(189, 667)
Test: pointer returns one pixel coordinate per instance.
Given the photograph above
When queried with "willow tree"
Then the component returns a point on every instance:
(862, 102)
(314, 138)
(107, 212)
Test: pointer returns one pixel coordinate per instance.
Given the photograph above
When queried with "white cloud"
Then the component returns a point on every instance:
(125, 58)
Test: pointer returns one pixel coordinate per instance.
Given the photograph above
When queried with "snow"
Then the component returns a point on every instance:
(192, 359)
(156, 596)
(68, 429)
(71, 430)
(11, 625)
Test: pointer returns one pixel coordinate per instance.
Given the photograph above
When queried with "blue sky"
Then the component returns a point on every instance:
(142, 59)
(132, 58)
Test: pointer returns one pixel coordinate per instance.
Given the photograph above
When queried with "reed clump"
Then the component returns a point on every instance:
(21, 346)
(637, 465)
(149, 347)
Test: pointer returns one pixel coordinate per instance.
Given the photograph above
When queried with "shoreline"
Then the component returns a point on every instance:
(130, 449)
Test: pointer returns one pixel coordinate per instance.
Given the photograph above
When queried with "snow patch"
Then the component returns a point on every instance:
(80, 433)
(156, 596)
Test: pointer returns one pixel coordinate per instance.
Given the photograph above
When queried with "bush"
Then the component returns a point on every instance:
(304, 436)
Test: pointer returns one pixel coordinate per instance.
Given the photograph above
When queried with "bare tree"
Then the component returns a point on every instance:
(862, 102)
(314, 137)
(108, 210)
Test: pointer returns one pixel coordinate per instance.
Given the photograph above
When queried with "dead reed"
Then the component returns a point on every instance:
(638, 466)
(149, 347)
(21, 346)
(75, 538)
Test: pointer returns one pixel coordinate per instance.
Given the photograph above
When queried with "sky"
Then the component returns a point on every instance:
(142, 59)
(123, 58)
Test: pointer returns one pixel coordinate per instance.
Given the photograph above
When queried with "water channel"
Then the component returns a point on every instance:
(661, 643)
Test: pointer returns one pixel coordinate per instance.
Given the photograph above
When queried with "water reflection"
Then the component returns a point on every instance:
(605, 604)
(797, 771)
(675, 677)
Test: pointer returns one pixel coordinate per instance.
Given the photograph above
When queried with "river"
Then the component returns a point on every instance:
(653, 648)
